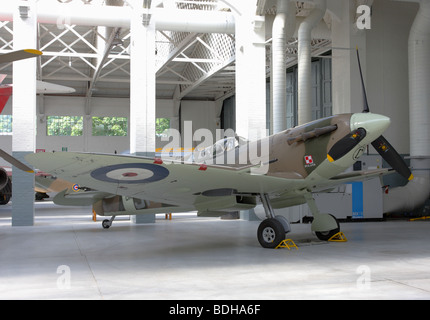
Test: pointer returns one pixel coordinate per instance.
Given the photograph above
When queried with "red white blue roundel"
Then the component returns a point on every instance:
(131, 173)
(76, 187)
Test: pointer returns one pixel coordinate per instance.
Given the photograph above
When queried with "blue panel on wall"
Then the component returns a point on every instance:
(357, 200)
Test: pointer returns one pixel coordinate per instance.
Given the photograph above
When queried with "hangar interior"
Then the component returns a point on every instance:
(142, 66)
(201, 74)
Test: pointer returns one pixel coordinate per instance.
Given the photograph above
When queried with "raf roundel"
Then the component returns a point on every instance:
(131, 173)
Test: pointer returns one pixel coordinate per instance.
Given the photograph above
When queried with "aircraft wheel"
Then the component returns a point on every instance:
(106, 224)
(270, 233)
(325, 235)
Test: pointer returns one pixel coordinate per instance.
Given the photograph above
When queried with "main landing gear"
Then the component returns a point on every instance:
(324, 225)
(271, 231)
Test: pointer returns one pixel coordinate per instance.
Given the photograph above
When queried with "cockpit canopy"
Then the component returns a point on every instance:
(218, 148)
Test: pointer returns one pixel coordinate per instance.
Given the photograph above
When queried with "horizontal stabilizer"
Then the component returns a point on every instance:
(52, 88)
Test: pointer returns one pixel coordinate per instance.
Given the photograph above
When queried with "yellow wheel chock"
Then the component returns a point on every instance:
(287, 243)
(338, 237)
(420, 218)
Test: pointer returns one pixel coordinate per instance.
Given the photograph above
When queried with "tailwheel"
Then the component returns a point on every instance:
(107, 223)
(271, 233)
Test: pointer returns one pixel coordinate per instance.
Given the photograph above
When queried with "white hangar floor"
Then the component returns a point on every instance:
(68, 256)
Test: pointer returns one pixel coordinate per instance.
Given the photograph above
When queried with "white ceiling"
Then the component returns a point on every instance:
(196, 66)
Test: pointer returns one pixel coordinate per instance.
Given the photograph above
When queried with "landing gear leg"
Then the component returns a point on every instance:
(107, 223)
(271, 231)
(324, 225)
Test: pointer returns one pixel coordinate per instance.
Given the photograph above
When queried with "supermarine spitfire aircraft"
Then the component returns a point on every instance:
(302, 160)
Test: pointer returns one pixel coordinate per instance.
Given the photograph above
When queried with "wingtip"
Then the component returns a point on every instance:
(33, 51)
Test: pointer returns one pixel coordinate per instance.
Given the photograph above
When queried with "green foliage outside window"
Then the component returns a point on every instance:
(64, 126)
(110, 126)
(161, 124)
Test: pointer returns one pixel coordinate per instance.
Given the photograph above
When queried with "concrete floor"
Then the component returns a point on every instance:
(68, 256)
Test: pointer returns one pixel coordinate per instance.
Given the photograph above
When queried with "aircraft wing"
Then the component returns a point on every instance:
(179, 184)
(176, 185)
(19, 55)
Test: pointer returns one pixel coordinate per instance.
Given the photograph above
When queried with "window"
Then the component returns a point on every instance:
(110, 126)
(5, 124)
(161, 124)
(64, 126)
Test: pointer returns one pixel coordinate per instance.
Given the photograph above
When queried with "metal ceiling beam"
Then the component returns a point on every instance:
(207, 76)
(183, 45)
(101, 62)
(114, 34)
(119, 17)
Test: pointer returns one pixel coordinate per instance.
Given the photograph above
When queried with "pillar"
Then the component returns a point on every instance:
(142, 91)
(250, 78)
(346, 85)
(24, 111)
(305, 61)
(250, 74)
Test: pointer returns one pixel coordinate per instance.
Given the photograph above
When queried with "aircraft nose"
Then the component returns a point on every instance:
(374, 124)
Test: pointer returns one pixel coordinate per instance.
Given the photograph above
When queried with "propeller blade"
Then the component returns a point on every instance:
(346, 144)
(389, 154)
(384, 148)
(15, 162)
(366, 104)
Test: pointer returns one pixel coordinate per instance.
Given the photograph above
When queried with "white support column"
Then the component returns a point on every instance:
(305, 61)
(250, 74)
(142, 91)
(24, 111)
(346, 86)
(250, 78)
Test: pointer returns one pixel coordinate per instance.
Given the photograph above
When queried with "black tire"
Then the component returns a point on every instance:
(270, 233)
(106, 224)
(6, 193)
(326, 235)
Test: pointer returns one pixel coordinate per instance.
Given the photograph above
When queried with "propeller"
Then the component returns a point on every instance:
(382, 146)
